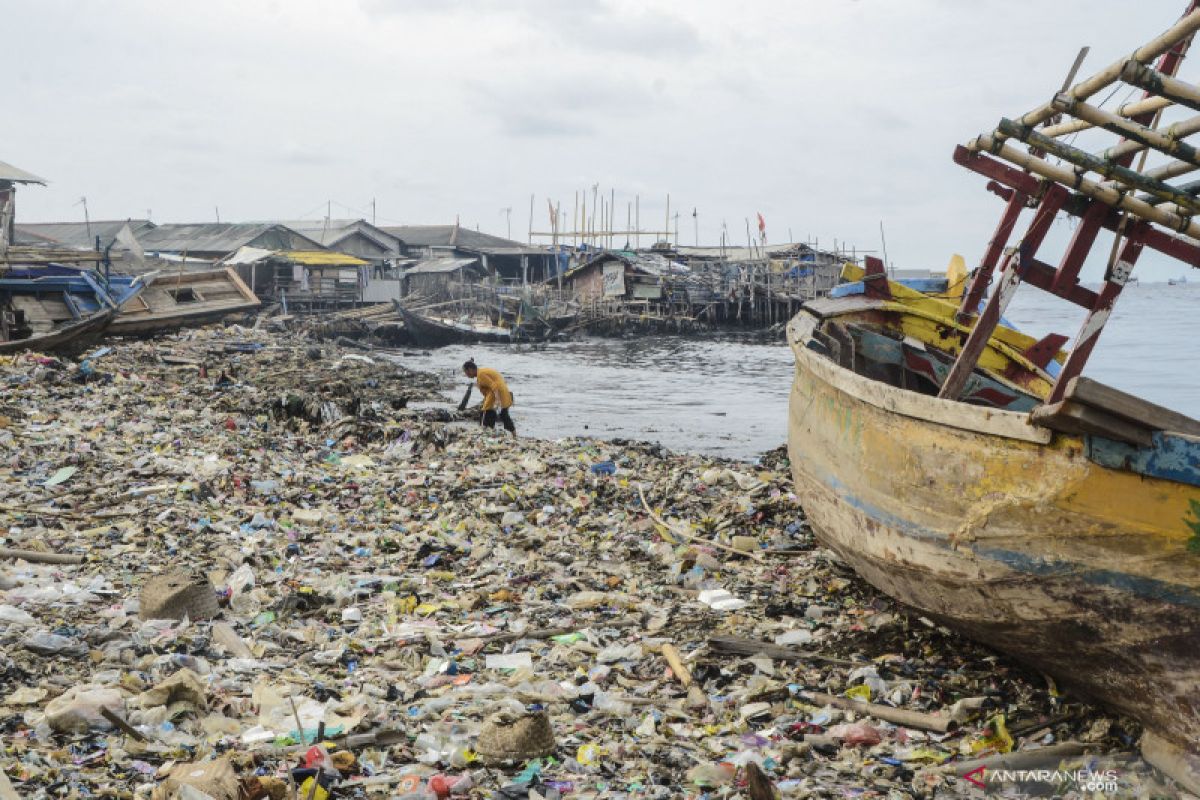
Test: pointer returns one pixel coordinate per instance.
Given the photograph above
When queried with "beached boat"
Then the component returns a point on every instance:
(185, 299)
(428, 330)
(972, 473)
(52, 311)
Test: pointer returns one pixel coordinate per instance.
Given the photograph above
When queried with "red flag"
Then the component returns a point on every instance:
(762, 224)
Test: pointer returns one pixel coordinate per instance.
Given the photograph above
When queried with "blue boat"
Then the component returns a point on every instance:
(53, 307)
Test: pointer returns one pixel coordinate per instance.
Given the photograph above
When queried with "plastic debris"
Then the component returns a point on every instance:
(382, 600)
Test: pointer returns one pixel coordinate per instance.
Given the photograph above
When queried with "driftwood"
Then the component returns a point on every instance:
(546, 633)
(38, 557)
(897, 716)
(124, 726)
(695, 695)
(753, 647)
(1021, 759)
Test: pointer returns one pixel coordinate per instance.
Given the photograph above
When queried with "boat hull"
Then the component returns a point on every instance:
(1007, 534)
(428, 332)
(185, 300)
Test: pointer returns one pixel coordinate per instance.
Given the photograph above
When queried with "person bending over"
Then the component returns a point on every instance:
(497, 399)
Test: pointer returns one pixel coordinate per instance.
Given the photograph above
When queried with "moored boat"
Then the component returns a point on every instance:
(429, 330)
(973, 473)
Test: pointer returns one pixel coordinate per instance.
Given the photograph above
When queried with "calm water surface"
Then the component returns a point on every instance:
(729, 398)
(722, 398)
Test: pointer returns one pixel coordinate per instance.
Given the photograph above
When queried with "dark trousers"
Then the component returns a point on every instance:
(489, 420)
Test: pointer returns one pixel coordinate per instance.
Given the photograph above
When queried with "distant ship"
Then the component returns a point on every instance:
(1176, 281)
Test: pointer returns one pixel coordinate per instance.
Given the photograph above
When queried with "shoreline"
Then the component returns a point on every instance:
(410, 582)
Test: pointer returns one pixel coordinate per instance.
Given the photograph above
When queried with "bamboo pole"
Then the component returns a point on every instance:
(1067, 177)
(1162, 141)
(1179, 130)
(1182, 29)
(1161, 84)
(1132, 109)
(898, 716)
(38, 557)
(1081, 158)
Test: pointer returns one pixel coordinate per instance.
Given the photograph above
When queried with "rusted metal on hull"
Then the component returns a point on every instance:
(1025, 545)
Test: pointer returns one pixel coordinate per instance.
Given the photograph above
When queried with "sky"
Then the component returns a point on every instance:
(828, 117)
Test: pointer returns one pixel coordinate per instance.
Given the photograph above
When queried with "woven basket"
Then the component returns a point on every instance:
(505, 738)
(178, 594)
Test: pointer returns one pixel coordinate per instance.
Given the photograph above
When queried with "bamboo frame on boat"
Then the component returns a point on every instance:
(1081, 158)
(1155, 82)
(1134, 108)
(1097, 191)
(1177, 130)
(1164, 142)
(1185, 27)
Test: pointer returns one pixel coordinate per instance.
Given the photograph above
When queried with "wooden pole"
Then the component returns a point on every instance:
(1010, 278)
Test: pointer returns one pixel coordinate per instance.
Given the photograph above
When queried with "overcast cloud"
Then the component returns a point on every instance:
(827, 117)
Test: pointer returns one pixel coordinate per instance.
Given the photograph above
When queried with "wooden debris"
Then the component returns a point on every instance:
(121, 724)
(759, 786)
(897, 716)
(38, 557)
(753, 647)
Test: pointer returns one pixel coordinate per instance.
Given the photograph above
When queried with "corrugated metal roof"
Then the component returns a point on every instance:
(330, 232)
(460, 237)
(441, 265)
(214, 237)
(79, 235)
(17, 175)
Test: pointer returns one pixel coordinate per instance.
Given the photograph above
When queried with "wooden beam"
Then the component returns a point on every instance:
(1008, 176)
(987, 265)
(1097, 318)
(1075, 418)
(1130, 407)
(1010, 278)
(1067, 177)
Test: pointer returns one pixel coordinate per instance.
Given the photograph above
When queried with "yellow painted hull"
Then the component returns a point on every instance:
(1007, 533)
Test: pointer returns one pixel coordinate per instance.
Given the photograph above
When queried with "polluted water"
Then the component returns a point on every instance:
(241, 564)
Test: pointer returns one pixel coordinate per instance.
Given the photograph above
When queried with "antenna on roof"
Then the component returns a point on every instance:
(218, 210)
(86, 222)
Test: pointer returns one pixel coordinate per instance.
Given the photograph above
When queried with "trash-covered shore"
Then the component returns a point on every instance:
(296, 579)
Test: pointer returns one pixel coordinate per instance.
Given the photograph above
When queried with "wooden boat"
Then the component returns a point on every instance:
(428, 330)
(972, 473)
(53, 311)
(185, 299)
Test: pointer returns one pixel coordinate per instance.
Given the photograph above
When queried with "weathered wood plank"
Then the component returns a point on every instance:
(1130, 407)
(1069, 416)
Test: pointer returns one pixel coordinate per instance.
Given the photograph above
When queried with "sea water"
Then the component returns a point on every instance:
(728, 396)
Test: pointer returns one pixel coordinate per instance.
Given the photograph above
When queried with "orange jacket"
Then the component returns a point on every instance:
(493, 388)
